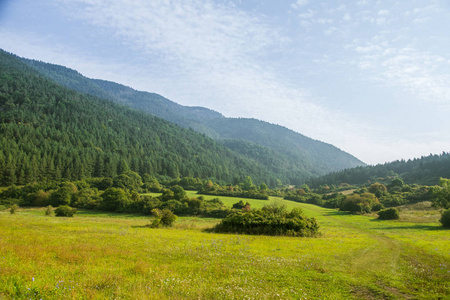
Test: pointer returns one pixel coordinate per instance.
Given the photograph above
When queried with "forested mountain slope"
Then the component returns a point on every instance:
(293, 156)
(185, 116)
(301, 152)
(49, 132)
(425, 170)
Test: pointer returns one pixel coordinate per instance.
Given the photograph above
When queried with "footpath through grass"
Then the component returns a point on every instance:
(98, 256)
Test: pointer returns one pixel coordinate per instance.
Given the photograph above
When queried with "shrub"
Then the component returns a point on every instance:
(163, 217)
(168, 217)
(65, 211)
(270, 220)
(359, 203)
(87, 198)
(49, 210)
(13, 208)
(389, 214)
(238, 205)
(8, 202)
(114, 199)
(2, 207)
(445, 218)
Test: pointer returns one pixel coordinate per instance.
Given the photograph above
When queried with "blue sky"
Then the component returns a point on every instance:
(370, 77)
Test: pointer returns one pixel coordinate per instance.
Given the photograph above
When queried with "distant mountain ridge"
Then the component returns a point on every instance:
(425, 170)
(300, 156)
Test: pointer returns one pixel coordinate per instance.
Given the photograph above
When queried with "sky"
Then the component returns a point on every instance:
(370, 77)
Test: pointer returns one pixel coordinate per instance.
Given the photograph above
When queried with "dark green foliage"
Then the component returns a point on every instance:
(425, 170)
(65, 211)
(89, 198)
(239, 205)
(445, 218)
(114, 199)
(149, 203)
(293, 156)
(63, 195)
(378, 189)
(333, 200)
(162, 218)
(269, 221)
(235, 191)
(9, 201)
(389, 214)
(441, 194)
(128, 180)
(49, 210)
(50, 133)
(13, 208)
(39, 198)
(359, 203)
(167, 217)
(303, 197)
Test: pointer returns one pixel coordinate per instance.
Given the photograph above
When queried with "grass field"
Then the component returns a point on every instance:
(99, 255)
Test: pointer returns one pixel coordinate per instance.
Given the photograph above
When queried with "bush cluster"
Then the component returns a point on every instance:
(65, 211)
(270, 220)
(445, 218)
(389, 214)
(360, 203)
(162, 218)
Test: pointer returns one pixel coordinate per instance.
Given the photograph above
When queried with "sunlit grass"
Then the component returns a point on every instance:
(101, 255)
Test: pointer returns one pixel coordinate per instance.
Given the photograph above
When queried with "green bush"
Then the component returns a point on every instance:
(445, 218)
(65, 211)
(49, 210)
(168, 218)
(13, 208)
(2, 207)
(114, 199)
(270, 220)
(163, 217)
(389, 214)
(359, 203)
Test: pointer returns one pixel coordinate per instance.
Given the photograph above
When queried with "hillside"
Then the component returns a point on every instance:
(300, 153)
(49, 132)
(425, 170)
(185, 116)
(294, 157)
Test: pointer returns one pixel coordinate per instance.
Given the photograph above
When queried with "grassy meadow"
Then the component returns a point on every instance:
(115, 256)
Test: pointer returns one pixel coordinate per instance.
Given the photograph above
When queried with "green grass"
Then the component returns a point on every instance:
(102, 255)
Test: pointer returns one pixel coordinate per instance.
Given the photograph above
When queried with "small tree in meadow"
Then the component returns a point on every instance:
(49, 210)
(163, 217)
(13, 208)
(65, 211)
(445, 218)
(389, 214)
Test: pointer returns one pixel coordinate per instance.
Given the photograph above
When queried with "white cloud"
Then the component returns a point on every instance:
(418, 72)
(307, 15)
(300, 3)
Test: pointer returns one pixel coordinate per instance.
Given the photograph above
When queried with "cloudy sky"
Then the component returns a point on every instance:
(370, 77)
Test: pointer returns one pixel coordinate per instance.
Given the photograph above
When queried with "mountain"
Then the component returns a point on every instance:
(425, 170)
(292, 156)
(50, 132)
(185, 116)
(302, 153)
